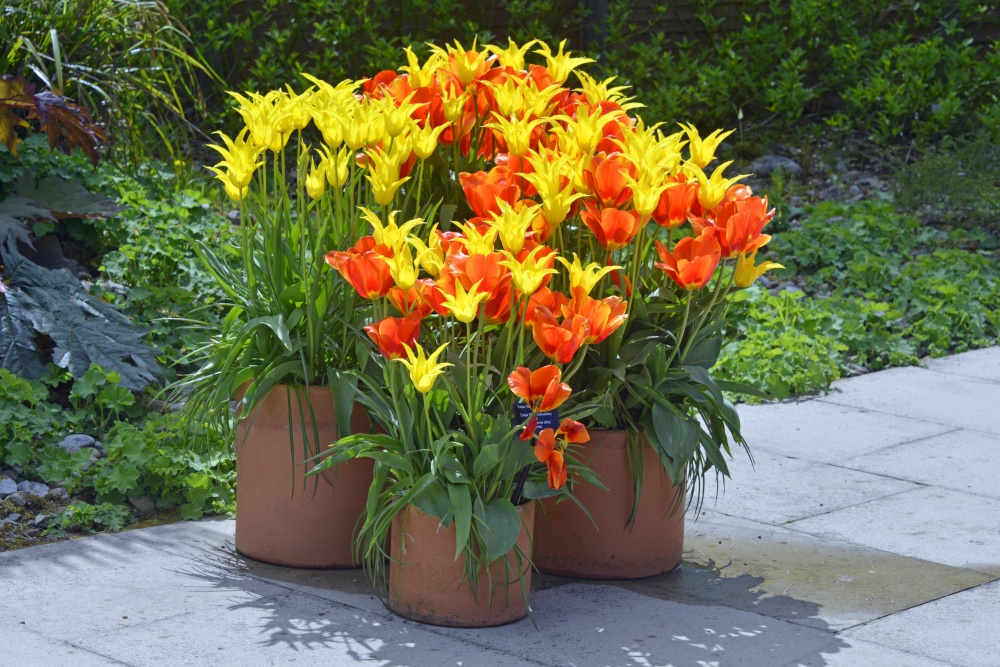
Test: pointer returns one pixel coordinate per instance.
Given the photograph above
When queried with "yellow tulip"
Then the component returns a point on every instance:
(316, 180)
(746, 274)
(600, 91)
(390, 234)
(421, 76)
(423, 369)
(383, 175)
(712, 190)
(240, 158)
(547, 177)
(337, 166)
(528, 275)
(513, 55)
(430, 259)
(512, 225)
(402, 268)
(559, 64)
(516, 132)
(586, 277)
(476, 243)
(464, 306)
(425, 141)
(703, 150)
(646, 192)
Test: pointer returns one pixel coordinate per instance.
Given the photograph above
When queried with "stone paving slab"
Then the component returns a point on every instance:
(788, 575)
(939, 525)
(18, 643)
(962, 629)
(851, 652)
(983, 364)
(778, 489)
(917, 393)
(827, 433)
(962, 460)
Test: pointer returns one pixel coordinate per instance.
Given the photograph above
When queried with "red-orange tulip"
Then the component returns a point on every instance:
(364, 267)
(559, 342)
(613, 228)
(738, 225)
(551, 455)
(540, 389)
(603, 316)
(394, 334)
(573, 431)
(553, 301)
(482, 190)
(692, 262)
(605, 178)
(676, 202)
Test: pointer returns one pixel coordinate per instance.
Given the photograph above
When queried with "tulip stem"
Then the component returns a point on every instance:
(680, 332)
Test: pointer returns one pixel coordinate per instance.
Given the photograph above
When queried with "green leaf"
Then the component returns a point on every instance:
(486, 461)
(499, 525)
(344, 387)
(452, 469)
(122, 477)
(434, 500)
(461, 503)
(677, 435)
(704, 353)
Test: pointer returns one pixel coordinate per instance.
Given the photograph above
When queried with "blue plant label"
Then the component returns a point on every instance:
(546, 420)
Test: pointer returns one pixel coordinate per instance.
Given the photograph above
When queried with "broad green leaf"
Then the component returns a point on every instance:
(499, 526)
(704, 353)
(434, 500)
(676, 434)
(452, 469)
(486, 461)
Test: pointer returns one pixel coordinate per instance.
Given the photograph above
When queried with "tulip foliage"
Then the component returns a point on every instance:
(500, 227)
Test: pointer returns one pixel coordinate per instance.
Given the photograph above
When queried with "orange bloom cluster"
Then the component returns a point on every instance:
(542, 391)
(364, 266)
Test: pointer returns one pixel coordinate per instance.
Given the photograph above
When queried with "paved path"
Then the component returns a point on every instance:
(868, 533)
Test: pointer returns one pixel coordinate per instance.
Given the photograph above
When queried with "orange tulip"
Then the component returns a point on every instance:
(553, 301)
(605, 178)
(573, 431)
(738, 224)
(692, 262)
(559, 341)
(613, 228)
(482, 190)
(541, 388)
(394, 334)
(364, 267)
(603, 316)
(676, 202)
(551, 455)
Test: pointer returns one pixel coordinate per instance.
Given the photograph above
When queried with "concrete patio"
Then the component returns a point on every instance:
(866, 533)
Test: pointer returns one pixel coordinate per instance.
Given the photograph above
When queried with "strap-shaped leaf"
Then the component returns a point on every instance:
(461, 504)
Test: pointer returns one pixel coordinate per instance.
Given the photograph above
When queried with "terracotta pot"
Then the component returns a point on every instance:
(568, 543)
(283, 517)
(427, 584)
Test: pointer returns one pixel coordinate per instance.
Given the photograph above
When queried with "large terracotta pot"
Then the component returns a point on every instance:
(568, 543)
(427, 584)
(283, 517)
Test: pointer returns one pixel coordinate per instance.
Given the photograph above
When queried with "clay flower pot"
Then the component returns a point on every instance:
(568, 543)
(427, 584)
(283, 517)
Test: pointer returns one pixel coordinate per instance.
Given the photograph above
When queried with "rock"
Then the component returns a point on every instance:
(116, 288)
(833, 193)
(856, 369)
(98, 445)
(16, 499)
(95, 456)
(764, 166)
(57, 494)
(10, 474)
(76, 442)
(41, 520)
(7, 486)
(854, 191)
(12, 518)
(841, 167)
(234, 216)
(767, 283)
(787, 286)
(33, 488)
(144, 505)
